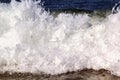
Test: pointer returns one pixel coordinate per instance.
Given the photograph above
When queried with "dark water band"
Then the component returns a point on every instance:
(90, 5)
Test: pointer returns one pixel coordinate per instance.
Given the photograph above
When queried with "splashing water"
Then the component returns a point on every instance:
(116, 8)
(32, 40)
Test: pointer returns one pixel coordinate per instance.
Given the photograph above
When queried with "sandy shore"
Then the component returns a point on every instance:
(76, 75)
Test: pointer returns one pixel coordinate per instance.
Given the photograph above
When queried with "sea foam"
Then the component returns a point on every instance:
(33, 40)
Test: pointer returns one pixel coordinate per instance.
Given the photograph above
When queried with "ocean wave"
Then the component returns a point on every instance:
(33, 40)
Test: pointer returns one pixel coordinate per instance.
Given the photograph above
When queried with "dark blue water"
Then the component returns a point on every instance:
(79, 4)
(90, 5)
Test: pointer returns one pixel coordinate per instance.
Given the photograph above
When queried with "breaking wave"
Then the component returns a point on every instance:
(33, 40)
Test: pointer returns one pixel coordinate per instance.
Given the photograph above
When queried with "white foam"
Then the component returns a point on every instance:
(32, 40)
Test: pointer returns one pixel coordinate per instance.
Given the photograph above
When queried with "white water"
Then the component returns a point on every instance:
(32, 40)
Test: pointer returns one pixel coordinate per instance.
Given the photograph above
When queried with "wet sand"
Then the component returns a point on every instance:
(87, 74)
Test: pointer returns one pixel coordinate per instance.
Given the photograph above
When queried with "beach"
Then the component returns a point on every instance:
(86, 74)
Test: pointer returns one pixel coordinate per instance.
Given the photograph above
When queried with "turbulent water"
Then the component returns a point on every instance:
(33, 40)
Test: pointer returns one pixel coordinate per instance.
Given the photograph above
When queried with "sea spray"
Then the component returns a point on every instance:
(33, 40)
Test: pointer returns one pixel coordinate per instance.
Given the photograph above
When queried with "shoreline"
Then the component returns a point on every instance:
(86, 74)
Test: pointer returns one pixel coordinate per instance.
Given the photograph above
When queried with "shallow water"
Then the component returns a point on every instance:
(33, 40)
